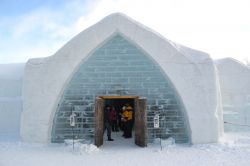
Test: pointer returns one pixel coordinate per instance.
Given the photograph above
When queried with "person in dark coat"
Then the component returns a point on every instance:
(114, 119)
(107, 122)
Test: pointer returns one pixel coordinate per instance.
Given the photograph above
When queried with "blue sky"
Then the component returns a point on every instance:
(38, 28)
(17, 7)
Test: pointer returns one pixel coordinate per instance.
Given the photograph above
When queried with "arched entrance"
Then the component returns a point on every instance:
(120, 68)
(140, 117)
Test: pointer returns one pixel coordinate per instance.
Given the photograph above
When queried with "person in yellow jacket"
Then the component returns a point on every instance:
(128, 120)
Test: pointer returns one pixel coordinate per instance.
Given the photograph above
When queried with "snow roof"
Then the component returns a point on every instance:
(121, 23)
(231, 66)
(12, 71)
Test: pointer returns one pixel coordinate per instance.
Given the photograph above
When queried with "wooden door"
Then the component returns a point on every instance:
(99, 121)
(141, 122)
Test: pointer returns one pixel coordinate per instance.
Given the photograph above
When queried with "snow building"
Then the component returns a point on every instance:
(10, 98)
(118, 61)
(235, 92)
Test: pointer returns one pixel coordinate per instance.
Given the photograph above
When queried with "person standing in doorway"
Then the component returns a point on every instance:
(107, 122)
(120, 118)
(128, 116)
(130, 121)
(113, 117)
(123, 120)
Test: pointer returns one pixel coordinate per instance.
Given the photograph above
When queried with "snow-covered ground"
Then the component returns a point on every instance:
(233, 150)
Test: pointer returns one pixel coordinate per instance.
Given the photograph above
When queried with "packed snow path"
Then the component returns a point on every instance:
(234, 150)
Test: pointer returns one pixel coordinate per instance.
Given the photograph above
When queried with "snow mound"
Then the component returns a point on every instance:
(237, 139)
(80, 147)
(88, 149)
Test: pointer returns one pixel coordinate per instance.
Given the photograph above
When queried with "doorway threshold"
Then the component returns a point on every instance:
(119, 141)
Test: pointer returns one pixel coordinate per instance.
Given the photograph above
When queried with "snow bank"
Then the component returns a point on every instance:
(234, 150)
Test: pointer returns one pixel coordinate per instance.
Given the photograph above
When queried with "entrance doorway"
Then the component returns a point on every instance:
(139, 116)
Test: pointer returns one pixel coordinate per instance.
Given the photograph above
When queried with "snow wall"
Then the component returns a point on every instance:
(191, 72)
(10, 98)
(235, 91)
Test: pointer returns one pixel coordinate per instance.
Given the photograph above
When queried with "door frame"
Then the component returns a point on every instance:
(140, 116)
(119, 97)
